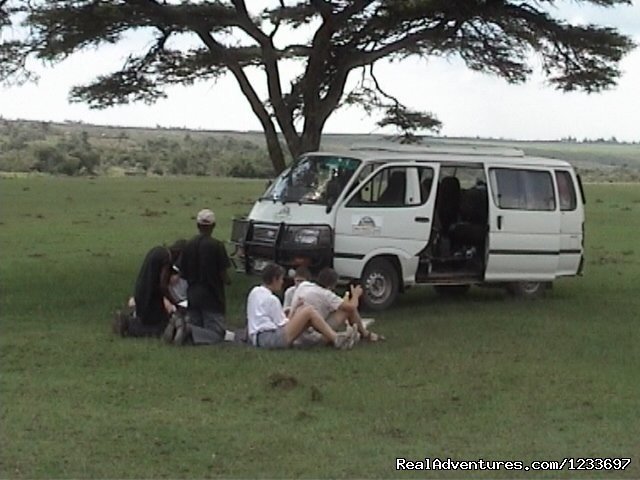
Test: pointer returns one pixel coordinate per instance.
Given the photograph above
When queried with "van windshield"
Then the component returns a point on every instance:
(313, 179)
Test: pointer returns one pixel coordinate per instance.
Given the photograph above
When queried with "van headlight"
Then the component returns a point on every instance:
(307, 236)
(315, 236)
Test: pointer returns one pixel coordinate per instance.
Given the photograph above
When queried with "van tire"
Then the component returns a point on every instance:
(380, 283)
(451, 290)
(527, 290)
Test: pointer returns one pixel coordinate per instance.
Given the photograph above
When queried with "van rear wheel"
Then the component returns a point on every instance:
(380, 283)
(527, 290)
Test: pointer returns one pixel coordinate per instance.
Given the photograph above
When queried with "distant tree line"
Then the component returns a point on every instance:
(43, 147)
(612, 139)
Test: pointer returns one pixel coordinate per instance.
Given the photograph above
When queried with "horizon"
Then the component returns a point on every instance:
(260, 133)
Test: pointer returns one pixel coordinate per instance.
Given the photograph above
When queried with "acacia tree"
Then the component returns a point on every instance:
(340, 37)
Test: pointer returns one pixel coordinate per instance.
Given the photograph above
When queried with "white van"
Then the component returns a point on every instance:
(395, 216)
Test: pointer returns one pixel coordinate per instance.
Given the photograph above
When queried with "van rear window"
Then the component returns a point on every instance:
(566, 191)
(520, 189)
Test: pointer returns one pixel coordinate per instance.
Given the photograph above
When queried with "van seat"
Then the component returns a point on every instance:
(474, 216)
(395, 192)
(448, 202)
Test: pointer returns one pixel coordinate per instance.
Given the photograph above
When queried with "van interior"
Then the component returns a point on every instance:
(457, 245)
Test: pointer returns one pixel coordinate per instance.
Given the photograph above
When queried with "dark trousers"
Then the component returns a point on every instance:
(207, 326)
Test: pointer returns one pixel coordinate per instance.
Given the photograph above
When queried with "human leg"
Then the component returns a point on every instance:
(340, 317)
(194, 317)
(308, 316)
(208, 328)
(213, 321)
(337, 319)
(204, 336)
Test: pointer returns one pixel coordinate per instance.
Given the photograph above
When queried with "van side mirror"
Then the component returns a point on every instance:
(331, 201)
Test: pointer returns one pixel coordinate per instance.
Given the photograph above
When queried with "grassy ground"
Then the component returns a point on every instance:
(482, 377)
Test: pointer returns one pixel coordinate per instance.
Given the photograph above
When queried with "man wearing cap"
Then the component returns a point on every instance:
(204, 266)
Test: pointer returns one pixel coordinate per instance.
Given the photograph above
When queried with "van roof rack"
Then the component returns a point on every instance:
(441, 148)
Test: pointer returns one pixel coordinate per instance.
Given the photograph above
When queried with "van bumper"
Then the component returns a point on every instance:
(289, 245)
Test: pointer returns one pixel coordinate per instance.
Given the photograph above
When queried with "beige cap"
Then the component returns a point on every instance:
(206, 217)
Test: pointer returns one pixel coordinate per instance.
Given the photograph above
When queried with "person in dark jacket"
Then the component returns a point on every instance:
(204, 265)
(152, 301)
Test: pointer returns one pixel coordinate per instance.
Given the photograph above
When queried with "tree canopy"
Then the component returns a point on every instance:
(328, 39)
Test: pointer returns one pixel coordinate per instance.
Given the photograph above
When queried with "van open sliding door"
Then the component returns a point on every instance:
(524, 224)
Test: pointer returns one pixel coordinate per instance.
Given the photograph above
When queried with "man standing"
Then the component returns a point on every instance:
(204, 266)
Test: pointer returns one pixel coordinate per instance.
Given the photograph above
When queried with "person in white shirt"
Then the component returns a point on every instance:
(267, 325)
(301, 274)
(335, 310)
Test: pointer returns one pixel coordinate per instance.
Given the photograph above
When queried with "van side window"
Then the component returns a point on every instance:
(516, 189)
(566, 191)
(386, 189)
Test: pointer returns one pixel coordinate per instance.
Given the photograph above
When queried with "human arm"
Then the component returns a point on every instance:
(350, 302)
(225, 277)
(225, 264)
(169, 299)
(276, 312)
(288, 299)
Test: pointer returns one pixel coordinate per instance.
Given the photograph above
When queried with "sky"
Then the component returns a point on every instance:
(468, 103)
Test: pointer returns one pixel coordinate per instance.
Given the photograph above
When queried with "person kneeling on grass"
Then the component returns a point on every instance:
(268, 327)
(153, 301)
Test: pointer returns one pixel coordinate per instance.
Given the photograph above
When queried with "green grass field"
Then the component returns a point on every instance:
(480, 377)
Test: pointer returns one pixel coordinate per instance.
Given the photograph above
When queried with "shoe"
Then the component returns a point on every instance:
(367, 322)
(183, 330)
(373, 337)
(355, 336)
(170, 330)
(120, 325)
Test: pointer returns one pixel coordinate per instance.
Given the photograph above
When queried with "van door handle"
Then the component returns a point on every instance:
(422, 219)
(499, 222)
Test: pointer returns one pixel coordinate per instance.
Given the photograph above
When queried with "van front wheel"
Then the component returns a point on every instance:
(527, 290)
(380, 284)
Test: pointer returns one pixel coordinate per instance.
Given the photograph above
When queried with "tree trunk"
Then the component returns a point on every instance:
(311, 138)
(275, 150)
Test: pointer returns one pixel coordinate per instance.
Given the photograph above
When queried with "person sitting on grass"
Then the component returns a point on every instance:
(301, 274)
(335, 310)
(153, 301)
(268, 327)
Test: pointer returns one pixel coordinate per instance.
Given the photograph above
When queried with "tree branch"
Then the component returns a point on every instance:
(273, 145)
(282, 113)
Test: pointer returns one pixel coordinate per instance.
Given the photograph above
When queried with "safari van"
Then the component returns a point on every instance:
(392, 217)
